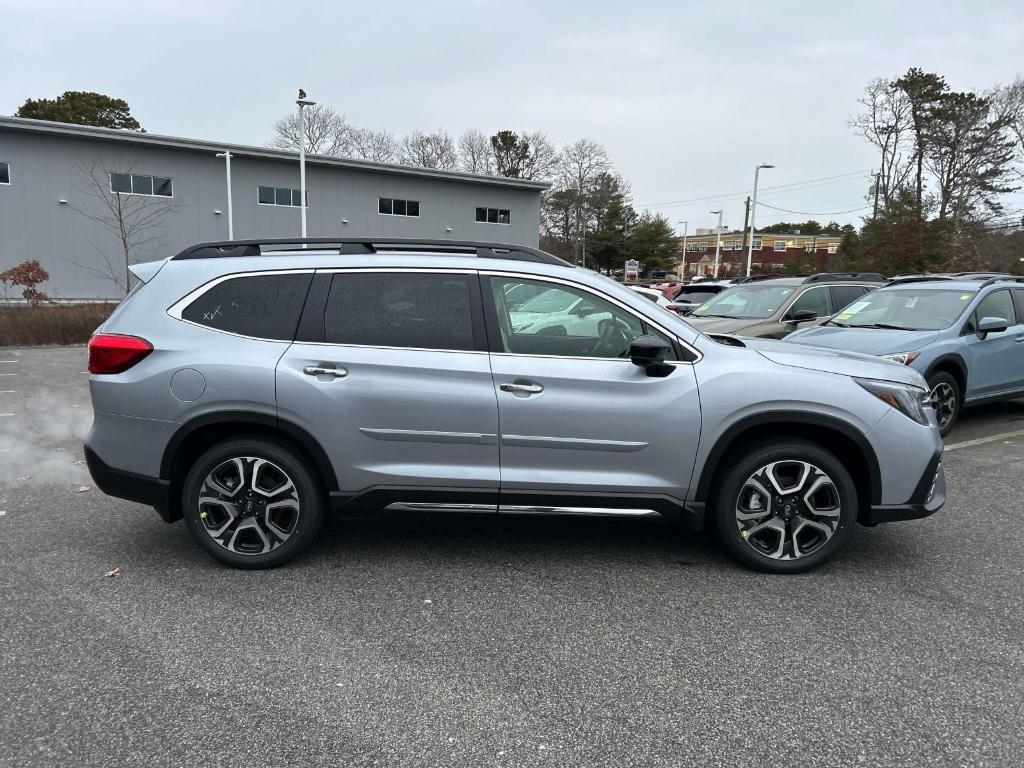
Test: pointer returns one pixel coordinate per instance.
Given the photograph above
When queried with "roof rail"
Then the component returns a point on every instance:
(364, 245)
(1007, 279)
(918, 279)
(823, 277)
(770, 276)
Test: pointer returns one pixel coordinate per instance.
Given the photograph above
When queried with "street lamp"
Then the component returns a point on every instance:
(686, 226)
(753, 210)
(227, 172)
(303, 102)
(718, 240)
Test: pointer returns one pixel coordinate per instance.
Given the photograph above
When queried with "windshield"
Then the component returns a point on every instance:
(696, 295)
(913, 309)
(551, 300)
(746, 301)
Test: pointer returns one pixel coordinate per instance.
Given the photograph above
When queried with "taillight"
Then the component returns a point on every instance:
(114, 353)
(673, 307)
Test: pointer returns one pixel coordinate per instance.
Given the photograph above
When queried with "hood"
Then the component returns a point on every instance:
(721, 324)
(835, 361)
(871, 341)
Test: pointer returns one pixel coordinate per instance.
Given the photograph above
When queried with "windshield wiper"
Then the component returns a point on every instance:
(886, 326)
(727, 317)
(833, 322)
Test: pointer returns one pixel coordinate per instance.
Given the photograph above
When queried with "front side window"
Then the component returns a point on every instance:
(398, 309)
(494, 215)
(564, 321)
(814, 300)
(391, 206)
(996, 304)
(907, 308)
(746, 301)
(5, 173)
(261, 306)
(141, 184)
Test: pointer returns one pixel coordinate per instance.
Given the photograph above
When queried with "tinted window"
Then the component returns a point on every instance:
(393, 309)
(846, 294)
(5, 173)
(266, 195)
(264, 306)
(996, 304)
(121, 182)
(815, 300)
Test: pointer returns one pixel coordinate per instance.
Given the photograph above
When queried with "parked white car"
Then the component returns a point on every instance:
(658, 297)
(558, 313)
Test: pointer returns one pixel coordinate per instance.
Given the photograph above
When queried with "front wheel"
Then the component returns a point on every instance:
(785, 506)
(946, 399)
(252, 503)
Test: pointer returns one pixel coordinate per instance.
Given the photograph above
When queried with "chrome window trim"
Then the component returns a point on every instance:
(698, 355)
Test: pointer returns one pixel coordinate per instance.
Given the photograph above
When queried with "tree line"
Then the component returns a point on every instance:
(945, 161)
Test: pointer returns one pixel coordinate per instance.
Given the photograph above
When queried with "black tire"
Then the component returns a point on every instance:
(281, 460)
(948, 399)
(788, 454)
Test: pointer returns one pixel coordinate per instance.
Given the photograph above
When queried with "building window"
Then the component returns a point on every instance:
(833, 248)
(5, 173)
(140, 184)
(809, 246)
(702, 245)
(494, 215)
(780, 245)
(389, 206)
(279, 196)
(757, 243)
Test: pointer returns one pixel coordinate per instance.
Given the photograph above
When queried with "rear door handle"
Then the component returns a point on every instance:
(529, 389)
(316, 370)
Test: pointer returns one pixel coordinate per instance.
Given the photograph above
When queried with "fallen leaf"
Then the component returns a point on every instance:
(111, 574)
(80, 461)
(81, 489)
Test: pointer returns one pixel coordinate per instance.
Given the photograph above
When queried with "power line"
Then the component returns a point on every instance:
(814, 213)
(763, 189)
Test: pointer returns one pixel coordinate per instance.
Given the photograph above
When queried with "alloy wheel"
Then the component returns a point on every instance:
(787, 510)
(249, 505)
(944, 400)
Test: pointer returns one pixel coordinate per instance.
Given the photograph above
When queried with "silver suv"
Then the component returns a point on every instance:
(248, 387)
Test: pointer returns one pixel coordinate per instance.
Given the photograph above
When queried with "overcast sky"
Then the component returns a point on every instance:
(686, 96)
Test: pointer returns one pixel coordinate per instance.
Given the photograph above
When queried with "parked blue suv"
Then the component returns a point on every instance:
(965, 336)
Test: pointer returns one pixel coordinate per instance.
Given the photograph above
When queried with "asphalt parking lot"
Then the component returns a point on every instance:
(447, 641)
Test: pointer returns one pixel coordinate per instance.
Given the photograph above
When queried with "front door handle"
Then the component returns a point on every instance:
(316, 370)
(529, 389)
(1019, 339)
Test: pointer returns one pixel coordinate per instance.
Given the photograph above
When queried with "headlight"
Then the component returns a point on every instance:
(903, 358)
(910, 401)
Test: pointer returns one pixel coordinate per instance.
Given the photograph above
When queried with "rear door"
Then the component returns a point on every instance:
(581, 426)
(391, 376)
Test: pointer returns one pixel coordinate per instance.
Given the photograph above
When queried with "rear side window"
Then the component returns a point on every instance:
(395, 309)
(842, 295)
(1018, 299)
(263, 306)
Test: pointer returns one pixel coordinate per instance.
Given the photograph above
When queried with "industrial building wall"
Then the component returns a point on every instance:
(78, 251)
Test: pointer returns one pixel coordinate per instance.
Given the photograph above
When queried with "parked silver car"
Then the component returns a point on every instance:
(247, 387)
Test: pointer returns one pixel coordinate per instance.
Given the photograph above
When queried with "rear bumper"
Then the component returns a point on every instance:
(927, 499)
(130, 486)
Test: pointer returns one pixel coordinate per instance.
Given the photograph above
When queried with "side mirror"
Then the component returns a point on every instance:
(991, 325)
(802, 316)
(649, 352)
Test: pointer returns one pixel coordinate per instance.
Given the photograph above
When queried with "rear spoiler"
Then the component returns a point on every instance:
(147, 270)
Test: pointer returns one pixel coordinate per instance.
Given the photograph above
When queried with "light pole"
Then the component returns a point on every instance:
(227, 171)
(303, 102)
(718, 240)
(686, 226)
(753, 211)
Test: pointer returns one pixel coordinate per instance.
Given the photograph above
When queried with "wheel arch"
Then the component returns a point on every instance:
(202, 432)
(835, 435)
(954, 365)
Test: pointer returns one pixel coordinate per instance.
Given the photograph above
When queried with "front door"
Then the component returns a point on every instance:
(581, 426)
(398, 389)
(995, 362)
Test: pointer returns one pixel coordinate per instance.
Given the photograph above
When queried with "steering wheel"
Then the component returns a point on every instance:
(614, 340)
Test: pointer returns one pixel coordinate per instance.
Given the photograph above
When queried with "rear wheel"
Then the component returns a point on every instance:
(252, 503)
(785, 506)
(946, 398)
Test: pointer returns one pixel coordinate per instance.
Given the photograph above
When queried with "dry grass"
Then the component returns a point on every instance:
(22, 325)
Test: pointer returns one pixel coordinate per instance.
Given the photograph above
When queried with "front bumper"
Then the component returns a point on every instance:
(129, 485)
(927, 499)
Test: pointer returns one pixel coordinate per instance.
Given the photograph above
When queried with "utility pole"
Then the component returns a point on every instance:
(686, 226)
(877, 185)
(718, 240)
(746, 221)
(753, 212)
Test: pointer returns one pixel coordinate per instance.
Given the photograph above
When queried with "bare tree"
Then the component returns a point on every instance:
(379, 146)
(579, 165)
(543, 159)
(886, 123)
(475, 153)
(1008, 104)
(327, 132)
(429, 150)
(134, 220)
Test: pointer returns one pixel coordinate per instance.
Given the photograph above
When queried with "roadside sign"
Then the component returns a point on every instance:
(632, 271)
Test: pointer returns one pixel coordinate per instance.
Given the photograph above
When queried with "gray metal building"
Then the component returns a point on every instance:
(68, 192)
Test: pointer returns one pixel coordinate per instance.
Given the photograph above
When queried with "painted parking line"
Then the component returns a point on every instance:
(984, 440)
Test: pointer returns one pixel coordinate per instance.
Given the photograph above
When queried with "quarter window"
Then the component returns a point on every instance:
(5, 173)
(494, 215)
(285, 196)
(393, 309)
(563, 321)
(391, 206)
(141, 184)
(263, 306)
